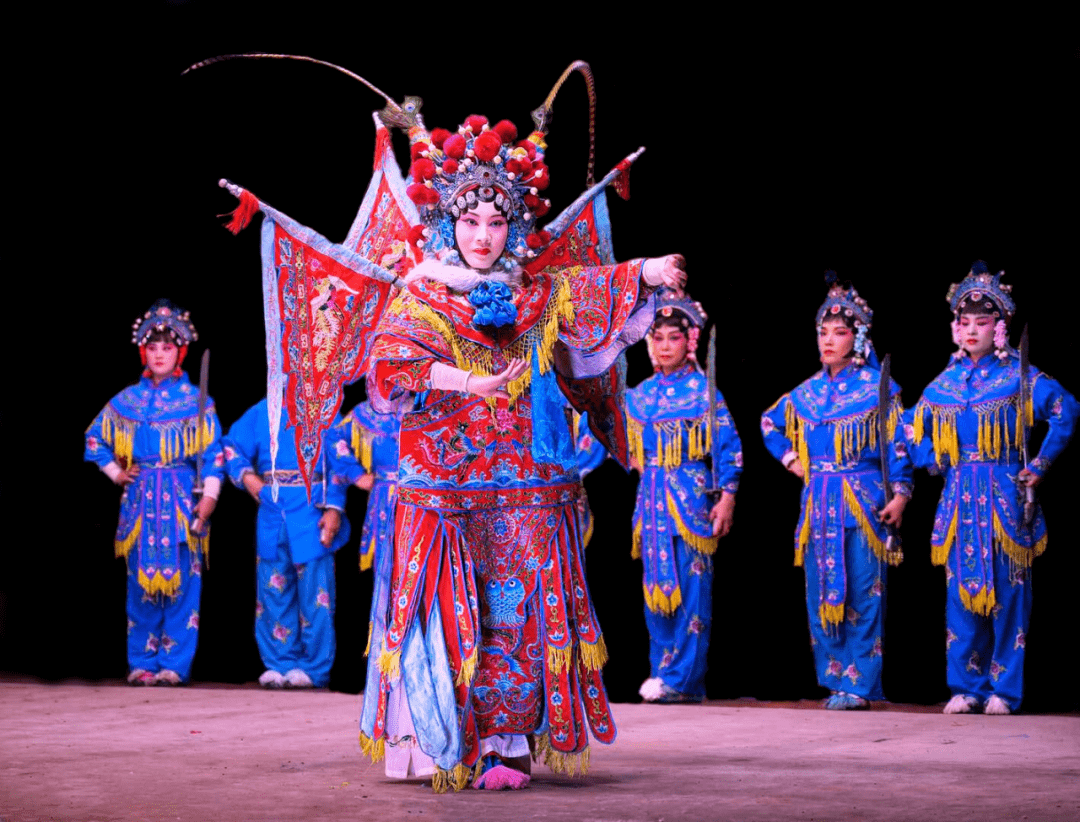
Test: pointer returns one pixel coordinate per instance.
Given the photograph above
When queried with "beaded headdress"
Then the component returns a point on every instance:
(991, 296)
(980, 286)
(688, 313)
(843, 302)
(453, 172)
(164, 317)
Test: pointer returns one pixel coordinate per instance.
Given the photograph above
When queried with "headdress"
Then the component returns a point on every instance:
(992, 297)
(167, 318)
(672, 304)
(843, 302)
(451, 173)
(980, 286)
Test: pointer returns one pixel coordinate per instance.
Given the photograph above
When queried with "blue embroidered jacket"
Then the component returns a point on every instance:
(156, 428)
(247, 448)
(965, 425)
(670, 438)
(831, 425)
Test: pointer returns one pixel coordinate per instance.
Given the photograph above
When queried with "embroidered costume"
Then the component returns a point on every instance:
(296, 590)
(830, 424)
(154, 428)
(965, 425)
(681, 460)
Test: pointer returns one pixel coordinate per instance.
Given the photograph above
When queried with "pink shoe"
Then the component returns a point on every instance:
(499, 777)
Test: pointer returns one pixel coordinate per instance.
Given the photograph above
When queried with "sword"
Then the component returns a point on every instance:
(884, 397)
(204, 381)
(1022, 424)
(713, 493)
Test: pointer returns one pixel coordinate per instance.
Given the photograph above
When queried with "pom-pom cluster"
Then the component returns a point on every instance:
(493, 303)
(164, 317)
(452, 171)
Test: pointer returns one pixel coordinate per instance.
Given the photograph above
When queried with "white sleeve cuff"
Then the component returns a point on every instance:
(447, 378)
(211, 487)
(112, 470)
(788, 458)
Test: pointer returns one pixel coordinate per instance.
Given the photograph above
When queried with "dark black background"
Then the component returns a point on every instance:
(892, 155)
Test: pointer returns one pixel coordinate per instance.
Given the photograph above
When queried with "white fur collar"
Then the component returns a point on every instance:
(462, 279)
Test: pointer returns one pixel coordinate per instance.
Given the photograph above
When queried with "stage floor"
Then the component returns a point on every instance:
(106, 751)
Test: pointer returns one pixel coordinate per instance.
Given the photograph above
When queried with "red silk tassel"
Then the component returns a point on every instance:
(622, 182)
(242, 214)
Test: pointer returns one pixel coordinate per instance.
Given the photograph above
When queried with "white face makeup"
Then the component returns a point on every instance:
(669, 347)
(835, 343)
(977, 334)
(481, 235)
(161, 359)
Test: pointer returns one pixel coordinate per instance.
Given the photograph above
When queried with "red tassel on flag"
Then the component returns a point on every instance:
(242, 214)
(622, 182)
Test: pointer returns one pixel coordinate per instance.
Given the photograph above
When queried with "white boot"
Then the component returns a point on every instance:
(298, 679)
(167, 677)
(652, 689)
(996, 706)
(962, 704)
(271, 679)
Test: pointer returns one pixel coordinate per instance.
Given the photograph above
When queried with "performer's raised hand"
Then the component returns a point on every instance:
(722, 514)
(494, 386)
(669, 270)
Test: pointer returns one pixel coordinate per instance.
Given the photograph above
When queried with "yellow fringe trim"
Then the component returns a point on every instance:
(704, 545)
(370, 631)
(983, 602)
(795, 431)
(831, 614)
(367, 558)
(159, 585)
(804, 533)
(635, 551)
(478, 359)
(992, 435)
(939, 554)
(468, 668)
(390, 663)
(122, 547)
(635, 440)
(569, 764)
(375, 749)
(660, 603)
(119, 433)
(587, 538)
(195, 543)
(853, 506)
(558, 659)
(594, 655)
(455, 779)
(1020, 554)
(362, 446)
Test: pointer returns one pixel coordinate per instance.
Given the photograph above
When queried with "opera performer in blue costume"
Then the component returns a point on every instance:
(967, 425)
(147, 440)
(295, 538)
(825, 431)
(690, 461)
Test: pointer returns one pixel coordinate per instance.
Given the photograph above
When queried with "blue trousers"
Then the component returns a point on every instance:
(679, 644)
(985, 654)
(294, 613)
(162, 632)
(847, 657)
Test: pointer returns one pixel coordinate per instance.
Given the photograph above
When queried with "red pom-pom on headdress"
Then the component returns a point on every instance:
(416, 236)
(422, 194)
(476, 122)
(450, 165)
(454, 146)
(416, 150)
(540, 179)
(538, 238)
(486, 146)
(439, 136)
(422, 169)
(506, 130)
(529, 147)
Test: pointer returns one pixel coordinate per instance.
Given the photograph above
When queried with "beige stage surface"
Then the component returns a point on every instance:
(105, 751)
